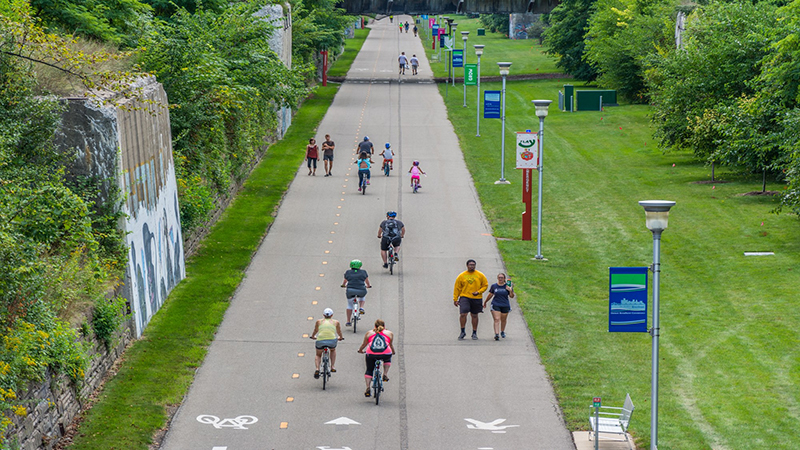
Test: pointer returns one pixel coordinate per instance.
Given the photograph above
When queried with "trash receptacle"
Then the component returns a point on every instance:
(481, 32)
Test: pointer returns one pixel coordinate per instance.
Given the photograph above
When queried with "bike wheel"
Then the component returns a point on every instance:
(391, 263)
(324, 371)
(386, 169)
(364, 187)
(376, 386)
(355, 322)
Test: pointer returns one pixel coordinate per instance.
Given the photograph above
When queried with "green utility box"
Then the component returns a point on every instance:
(594, 100)
(569, 94)
(481, 32)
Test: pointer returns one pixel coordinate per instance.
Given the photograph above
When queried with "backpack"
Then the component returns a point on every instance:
(378, 344)
(390, 229)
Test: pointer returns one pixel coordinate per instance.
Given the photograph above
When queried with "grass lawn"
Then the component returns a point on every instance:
(351, 49)
(730, 364)
(159, 368)
(526, 56)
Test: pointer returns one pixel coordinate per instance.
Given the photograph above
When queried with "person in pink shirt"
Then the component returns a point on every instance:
(379, 344)
(415, 170)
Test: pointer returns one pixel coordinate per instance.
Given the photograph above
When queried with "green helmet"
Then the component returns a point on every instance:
(355, 264)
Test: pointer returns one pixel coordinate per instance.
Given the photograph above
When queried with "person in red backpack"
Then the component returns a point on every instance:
(379, 345)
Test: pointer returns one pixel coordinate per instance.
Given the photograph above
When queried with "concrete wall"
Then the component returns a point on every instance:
(281, 43)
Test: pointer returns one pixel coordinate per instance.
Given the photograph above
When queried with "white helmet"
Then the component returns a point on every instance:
(328, 312)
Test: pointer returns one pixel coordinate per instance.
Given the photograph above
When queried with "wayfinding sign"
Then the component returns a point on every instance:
(491, 104)
(458, 58)
(471, 74)
(527, 150)
(627, 299)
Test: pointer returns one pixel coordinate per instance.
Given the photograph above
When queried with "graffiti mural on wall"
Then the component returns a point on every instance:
(156, 262)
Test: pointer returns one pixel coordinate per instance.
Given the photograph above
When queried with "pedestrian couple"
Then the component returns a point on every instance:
(312, 155)
(468, 298)
(403, 61)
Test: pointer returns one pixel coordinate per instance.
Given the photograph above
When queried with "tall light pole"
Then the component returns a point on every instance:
(541, 113)
(656, 215)
(464, 35)
(453, 27)
(478, 52)
(504, 69)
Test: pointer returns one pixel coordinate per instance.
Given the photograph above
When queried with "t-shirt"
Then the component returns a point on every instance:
(469, 282)
(365, 147)
(355, 279)
(415, 171)
(400, 227)
(328, 151)
(403, 60)
(387, 154)
(500, 295)
(363, 164)
(414, 61)
(312, 151)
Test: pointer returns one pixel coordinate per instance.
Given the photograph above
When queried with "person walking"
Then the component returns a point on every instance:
(379, 344)
(415, 30)
(327, 154)
(406, 25)
(414, 64)
(325, 333)
(499, 293)
(312, 154)
(468, 296)
(403, 60)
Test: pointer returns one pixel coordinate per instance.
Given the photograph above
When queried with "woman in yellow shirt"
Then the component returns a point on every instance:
(325, 331)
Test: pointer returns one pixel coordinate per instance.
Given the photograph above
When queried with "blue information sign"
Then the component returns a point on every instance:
(435, 29)
(458, 58)
(425, 17)
(627, 299)
(491, 104)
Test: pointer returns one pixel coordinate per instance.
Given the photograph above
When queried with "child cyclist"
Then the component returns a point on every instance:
(363, 164)
(388, 157)
(415, 170)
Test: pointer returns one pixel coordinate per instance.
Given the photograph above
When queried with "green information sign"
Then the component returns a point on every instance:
(471, 74)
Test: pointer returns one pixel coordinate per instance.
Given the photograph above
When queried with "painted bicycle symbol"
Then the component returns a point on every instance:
(237, 423)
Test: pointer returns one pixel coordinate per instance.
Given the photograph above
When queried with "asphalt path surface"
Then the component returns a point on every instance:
(256, 388)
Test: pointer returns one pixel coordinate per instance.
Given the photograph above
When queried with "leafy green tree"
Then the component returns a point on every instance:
(565, 38)
(316, 25)
(495, 23)
(117, 21)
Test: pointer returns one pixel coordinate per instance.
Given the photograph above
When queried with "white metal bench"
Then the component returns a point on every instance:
(613, 420)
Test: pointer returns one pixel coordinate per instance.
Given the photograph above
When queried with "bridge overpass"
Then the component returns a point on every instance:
(447, 6)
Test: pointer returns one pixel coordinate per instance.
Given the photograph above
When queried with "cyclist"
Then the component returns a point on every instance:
(325, 331)
(415, 170)
(391, 19)
(388, 156)
(391, 230)
(365, 146)
(356, 281)
(379, 344)
(363, 163)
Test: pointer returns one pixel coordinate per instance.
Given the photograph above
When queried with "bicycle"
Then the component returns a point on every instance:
(325, 366)
(364, 184)
(390, 258)
(377, 382)
(386, 168)
(356, 314)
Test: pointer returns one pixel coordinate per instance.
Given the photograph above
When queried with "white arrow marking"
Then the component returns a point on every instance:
(489, 426)
(220, 448)
(342, 421)
(325, 447)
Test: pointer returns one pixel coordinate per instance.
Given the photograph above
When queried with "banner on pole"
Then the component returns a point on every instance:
(434, 28)
(627, 299)
(491, 104)
(458, 58)
(471, 74)
(448, 41)
(527, 150)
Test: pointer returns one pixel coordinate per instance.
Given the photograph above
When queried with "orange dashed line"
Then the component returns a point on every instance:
(310, 318)
(295, 375)
(314, 302)
(284, 425)
(289, 399)
(305, 335)
(301, 355)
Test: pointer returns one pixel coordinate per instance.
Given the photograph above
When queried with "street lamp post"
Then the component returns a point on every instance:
(504, 69)
(453, 27)
(464, 35)
(478, 52)
(541, 113)
(656, 215)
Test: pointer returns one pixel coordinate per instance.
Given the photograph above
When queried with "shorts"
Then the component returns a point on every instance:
(501, 309)
(371, 358)
(312, 160)
(390, 160)
(327, 343)
(395, 242)
(470, 305)
(415, 177)
(354, 293)
(402, 66)
(327, 157)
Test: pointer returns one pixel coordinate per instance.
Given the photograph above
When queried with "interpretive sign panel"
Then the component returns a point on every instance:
(491, 104)
(527, 150)
(627, 299)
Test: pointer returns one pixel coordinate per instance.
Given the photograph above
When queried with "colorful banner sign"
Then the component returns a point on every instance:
(527, 150)
(432, 23)
(491, 104)
(434, 28)
(471, 74)
(627, 299)
(458, 58)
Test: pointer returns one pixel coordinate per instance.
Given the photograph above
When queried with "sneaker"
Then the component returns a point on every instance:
(385, 378)
(367, 393)
(348, 324)
(474, 336)
(396, 257)
(496, 337)
(333, 370)
(503, 334)
(385, 265)
(359, 189)
(367, 182)
(316, 374)
(462, 336)
(361, 310)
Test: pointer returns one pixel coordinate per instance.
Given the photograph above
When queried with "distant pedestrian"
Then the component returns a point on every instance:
(406, 26)
(499, 293)
(415, 30)
(414, 64)
(468, 296)
(327, 154)
(312, 154)
(403, 61)
(401, 27)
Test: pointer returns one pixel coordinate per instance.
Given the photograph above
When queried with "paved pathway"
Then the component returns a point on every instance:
(261, 363)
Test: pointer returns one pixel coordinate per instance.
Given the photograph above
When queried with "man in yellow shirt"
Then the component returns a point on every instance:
(468, 297)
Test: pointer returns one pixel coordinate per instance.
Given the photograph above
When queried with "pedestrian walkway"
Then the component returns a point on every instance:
(256, 389)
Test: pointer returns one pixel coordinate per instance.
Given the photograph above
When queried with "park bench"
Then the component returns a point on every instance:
(613, 420)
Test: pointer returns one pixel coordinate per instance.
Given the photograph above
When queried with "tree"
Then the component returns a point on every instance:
(565, 38)
(495, 23)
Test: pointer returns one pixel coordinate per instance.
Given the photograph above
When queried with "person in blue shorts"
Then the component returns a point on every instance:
(499, 294)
